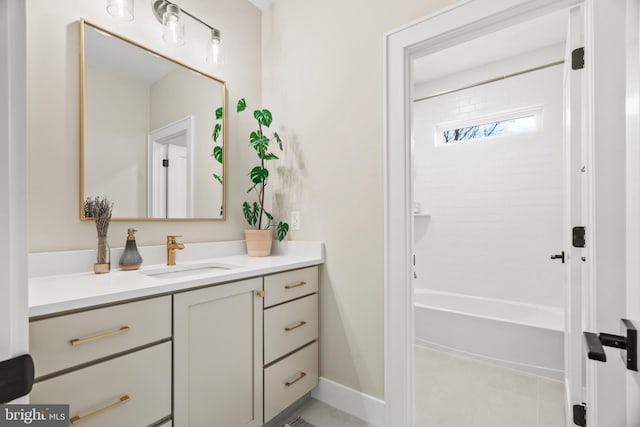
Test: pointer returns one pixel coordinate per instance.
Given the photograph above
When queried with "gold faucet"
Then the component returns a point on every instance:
(172, 245)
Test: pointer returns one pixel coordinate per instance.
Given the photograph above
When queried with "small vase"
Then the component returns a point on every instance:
(103, 256)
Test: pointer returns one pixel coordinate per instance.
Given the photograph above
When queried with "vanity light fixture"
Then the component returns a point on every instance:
(172, 25)
(120, 9)
(170, 16)
(215, 52)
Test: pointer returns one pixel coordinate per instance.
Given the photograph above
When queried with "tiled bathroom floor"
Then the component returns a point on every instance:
(458, 392)
(322, 415)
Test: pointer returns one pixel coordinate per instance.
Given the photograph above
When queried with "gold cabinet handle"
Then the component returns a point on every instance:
(260, 294)
(295, 326)
(295, 285)
(300, 376)
(78, 341)
(78, 419)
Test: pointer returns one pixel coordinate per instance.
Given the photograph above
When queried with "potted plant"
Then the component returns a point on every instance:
(260, 238)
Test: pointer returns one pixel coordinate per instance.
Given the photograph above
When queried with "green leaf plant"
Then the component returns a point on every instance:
(259, 175)
(217, 152)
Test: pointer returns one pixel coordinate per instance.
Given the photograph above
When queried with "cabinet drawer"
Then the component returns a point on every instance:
(63, 342)
(133, 390)
(289, 326)
(289, 380)
(286, 286)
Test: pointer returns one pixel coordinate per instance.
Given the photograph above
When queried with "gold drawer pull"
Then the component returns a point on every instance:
(77, 419)
(260, 294)
(78, 341)
(300, 376)
(295, 326)
(295, 285)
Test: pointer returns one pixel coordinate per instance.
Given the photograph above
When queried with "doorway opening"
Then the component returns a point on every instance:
(170, 170)
(493, 157)
(488, 189)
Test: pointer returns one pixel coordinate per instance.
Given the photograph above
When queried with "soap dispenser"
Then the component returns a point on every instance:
(130, 259)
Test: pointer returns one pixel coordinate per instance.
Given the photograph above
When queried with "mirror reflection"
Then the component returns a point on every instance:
(152, 132)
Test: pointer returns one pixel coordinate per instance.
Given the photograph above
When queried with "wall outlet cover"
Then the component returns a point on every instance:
(295, 220)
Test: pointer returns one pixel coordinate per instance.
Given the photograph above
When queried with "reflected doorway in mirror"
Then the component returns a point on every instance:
(170, 192)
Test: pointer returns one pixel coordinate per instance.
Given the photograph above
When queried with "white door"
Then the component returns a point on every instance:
(176, 181)
(14, 334)
(633, 195)
(612, 282)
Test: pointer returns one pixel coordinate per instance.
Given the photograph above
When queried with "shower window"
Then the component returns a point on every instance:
(508, 123)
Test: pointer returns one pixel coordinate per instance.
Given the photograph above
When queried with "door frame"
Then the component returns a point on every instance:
(156, 139)
(14, 312)
(461, 21)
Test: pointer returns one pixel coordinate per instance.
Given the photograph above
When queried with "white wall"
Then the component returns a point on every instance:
(496, 204)
(323, 81)
(53, 113)
(116, 133)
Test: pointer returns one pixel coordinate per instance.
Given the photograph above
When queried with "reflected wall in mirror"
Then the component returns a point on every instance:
(152, 132)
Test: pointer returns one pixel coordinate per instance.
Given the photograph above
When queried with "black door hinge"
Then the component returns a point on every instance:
(577, 59)
(580, 415)
(165, 163)
(578, 237)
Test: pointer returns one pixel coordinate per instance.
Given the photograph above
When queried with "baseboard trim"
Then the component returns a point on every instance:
(353, 402)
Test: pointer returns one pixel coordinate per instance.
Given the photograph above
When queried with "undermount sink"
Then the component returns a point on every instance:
(186, 270)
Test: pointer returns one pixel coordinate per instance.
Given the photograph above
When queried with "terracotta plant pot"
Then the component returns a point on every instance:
(258, 242)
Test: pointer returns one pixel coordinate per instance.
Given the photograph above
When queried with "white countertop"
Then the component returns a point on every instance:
(56, 293)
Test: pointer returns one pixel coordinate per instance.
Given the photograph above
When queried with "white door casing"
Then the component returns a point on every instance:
(14, 333)
(574, 84)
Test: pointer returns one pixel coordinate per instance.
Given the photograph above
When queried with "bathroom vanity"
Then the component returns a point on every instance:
(226, 341)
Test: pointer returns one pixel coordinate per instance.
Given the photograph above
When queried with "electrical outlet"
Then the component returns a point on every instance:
(295, 220)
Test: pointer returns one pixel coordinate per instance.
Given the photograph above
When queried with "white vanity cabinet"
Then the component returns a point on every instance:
(230, 354)
(290, 338)
(218, 356)
(112, 365)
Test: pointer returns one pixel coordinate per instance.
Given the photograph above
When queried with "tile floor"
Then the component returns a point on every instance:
(322, 415)
(458, 392)
(455, 392)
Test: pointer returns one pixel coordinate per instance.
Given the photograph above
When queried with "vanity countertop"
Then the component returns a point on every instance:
(51, 294)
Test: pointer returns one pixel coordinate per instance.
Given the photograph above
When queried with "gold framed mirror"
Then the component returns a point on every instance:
(152, 132)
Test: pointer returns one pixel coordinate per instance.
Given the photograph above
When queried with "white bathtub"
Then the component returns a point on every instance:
(511, 334)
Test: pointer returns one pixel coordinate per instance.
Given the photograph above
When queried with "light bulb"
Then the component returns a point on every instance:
(215, 51)
(120, 9)
(173, 25)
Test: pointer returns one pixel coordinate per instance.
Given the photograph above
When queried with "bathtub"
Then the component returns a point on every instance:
(525, 337)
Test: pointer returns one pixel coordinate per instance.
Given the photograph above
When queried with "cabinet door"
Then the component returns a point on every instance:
(218, 356)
